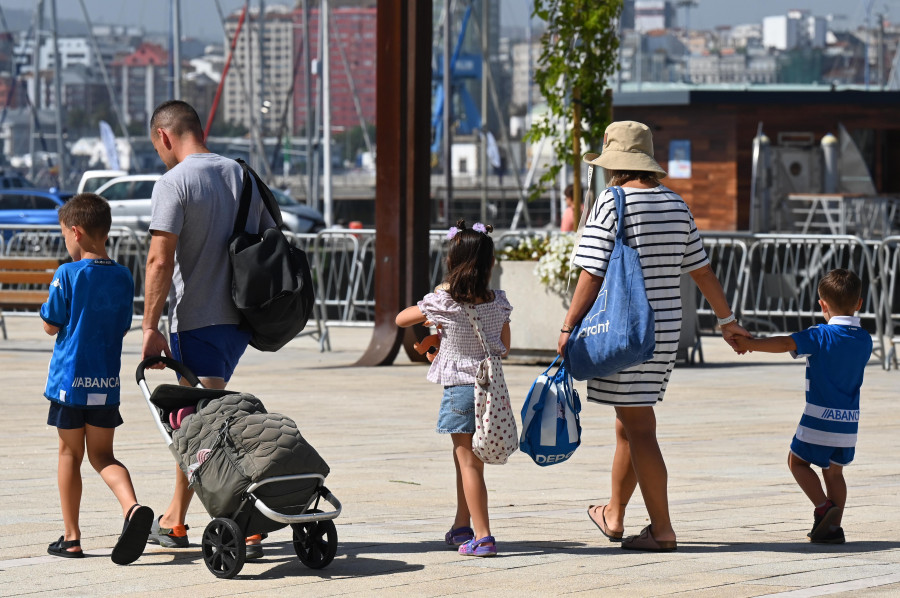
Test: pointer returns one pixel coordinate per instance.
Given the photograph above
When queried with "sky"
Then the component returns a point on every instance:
(200, 17)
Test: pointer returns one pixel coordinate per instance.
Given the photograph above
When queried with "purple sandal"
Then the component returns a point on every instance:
(483, 547)
(458, 536)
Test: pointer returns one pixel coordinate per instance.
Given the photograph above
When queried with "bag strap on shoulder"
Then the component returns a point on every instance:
(473, 318)
(240, 222)
(619, 196)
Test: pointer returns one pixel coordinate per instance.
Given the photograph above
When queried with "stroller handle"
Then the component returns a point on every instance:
(169, 363)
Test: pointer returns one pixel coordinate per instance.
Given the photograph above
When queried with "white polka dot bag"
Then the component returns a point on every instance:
(496, 437)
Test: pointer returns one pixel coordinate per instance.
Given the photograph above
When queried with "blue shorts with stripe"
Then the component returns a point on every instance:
(822, 456)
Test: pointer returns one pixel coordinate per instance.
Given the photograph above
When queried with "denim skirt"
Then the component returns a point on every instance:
(457, 414)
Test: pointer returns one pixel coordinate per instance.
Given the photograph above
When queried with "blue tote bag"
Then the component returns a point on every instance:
(551, 428)
(618, 332)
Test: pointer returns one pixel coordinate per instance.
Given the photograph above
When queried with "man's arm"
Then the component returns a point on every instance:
(157, 282)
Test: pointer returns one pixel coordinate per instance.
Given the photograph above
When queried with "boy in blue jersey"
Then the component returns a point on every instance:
(836, 357)
(89, 309)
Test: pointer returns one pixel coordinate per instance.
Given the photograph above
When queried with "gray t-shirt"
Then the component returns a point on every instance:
(198, 201)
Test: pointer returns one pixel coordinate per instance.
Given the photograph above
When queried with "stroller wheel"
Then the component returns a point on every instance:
(224, 550)
(315, 543)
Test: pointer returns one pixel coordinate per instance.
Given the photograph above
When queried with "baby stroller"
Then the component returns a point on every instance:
(252, 470)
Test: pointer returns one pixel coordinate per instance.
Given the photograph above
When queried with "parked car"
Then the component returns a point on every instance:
(129, 201)
(13, 180)
(297, 217)
(92, 180)
(31, 206)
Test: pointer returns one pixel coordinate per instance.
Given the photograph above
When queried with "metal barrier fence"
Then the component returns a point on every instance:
(770, 280)
(889, 271)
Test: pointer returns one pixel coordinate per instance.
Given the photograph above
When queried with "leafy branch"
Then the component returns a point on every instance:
(578, 57)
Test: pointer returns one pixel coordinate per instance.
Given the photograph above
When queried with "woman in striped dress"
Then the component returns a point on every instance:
(659, 225)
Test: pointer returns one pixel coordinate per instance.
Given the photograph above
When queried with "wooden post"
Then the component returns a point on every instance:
(402, 179)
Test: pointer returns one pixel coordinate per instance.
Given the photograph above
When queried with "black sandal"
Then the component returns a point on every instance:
(61, 548)
(130, 545)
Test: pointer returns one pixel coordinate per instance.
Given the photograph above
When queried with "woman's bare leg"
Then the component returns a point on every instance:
(639, 425)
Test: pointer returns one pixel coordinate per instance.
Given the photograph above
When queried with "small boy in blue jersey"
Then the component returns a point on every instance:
(89, 309)
(836, 356)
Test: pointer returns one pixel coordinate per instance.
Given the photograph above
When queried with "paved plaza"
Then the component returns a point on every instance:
(724, 430)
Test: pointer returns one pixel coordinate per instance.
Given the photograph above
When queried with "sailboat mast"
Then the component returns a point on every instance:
(176, 49)
(36, 80)
(57, 91)
(328, 212)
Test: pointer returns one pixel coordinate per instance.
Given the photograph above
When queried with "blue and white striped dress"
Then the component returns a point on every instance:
(659, 225)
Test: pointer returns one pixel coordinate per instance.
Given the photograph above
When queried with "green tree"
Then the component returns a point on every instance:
(578, 56)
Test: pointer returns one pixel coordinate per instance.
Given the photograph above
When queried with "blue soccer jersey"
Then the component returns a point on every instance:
(836, 357)
(91, 303)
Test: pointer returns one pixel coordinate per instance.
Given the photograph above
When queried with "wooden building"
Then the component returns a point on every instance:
(720, 126)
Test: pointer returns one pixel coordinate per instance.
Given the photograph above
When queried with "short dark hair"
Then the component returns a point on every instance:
(178, 117)
(841, 289)
(569, 191)
(90, 212)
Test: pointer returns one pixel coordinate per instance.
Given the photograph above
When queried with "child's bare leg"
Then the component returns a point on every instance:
(68, 474)
(807, 479)
(100, 454)
(624, 481)
(836, 488)
(472, 475)
(463, 516)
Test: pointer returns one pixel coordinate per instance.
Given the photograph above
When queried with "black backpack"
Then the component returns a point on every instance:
(271, 281)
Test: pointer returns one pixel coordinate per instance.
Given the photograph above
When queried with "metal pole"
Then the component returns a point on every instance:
(485, 67)
(308, 100)
(251, 98)
(176, 49)
(60, 104)
(109, 88)
(261, 32)
(328, 212)
(36, 75)
(448, 109)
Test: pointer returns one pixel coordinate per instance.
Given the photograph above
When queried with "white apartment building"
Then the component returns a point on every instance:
(797, 28)
(260, 76)
(650, 15)
(520, 74)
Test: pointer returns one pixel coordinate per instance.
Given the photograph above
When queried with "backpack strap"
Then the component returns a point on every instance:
(240, 222)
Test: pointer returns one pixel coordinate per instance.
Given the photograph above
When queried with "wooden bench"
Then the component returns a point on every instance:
(36, 272)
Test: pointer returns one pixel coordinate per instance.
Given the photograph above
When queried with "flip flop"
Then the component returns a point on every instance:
(61, 548)
(130, 545)
(646, 542)
(602, 525)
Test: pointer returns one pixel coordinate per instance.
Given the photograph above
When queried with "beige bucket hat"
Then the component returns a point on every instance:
(627, 145)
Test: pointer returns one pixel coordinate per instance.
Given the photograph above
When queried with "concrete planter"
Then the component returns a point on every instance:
(537, 313)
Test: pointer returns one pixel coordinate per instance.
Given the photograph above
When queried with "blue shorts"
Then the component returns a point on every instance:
(65, 417)
(211, 351)
(822, 456)
(457, 414)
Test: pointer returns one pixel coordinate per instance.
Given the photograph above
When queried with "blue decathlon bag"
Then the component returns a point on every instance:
(551, 428)
(618, 331)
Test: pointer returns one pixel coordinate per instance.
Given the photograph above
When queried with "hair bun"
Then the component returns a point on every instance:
(461, 224)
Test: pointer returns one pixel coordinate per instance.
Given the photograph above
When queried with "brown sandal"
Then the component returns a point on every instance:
(646, 542)
(602, 525)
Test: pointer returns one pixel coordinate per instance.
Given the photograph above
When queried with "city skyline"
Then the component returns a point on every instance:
(200, 17)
